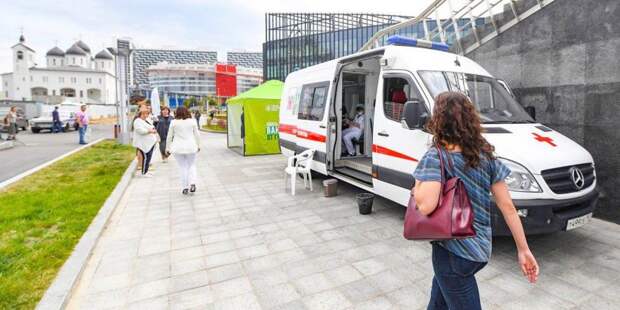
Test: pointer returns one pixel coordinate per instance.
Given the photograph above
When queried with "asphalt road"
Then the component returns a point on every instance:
(32, 150)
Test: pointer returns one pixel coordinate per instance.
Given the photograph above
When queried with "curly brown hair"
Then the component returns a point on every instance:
(455, 121)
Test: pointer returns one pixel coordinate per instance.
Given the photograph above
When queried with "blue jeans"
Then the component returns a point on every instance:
(454, 284)
(82, 132)
(57, 127)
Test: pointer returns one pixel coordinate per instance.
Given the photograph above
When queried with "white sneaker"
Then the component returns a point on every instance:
(165, 160)
(147, 175)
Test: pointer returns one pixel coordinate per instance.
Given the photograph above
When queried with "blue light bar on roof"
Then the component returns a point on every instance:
(404, 41)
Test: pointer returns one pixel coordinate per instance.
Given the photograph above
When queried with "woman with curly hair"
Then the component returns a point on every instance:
(457, 133)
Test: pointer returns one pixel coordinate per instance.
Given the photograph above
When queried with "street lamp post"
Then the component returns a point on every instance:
(122, 87)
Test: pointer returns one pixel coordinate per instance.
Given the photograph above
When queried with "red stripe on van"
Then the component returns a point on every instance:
(309, 135)
(385, 151)
(290, 129)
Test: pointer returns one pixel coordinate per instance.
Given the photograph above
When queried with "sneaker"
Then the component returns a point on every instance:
(165, 160)
(192, 188)
(185, 191)
(147, 175)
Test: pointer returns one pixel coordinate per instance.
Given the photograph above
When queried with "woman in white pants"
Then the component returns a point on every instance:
(184, 142)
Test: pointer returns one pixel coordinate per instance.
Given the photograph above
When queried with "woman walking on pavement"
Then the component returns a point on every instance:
(163, 125)
(184, 142)
(144, 139)
(456, 130)
(11, 121)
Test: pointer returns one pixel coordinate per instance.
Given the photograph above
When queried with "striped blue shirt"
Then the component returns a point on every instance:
(478, 183)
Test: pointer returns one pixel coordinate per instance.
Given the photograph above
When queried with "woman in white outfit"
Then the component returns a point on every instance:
(184, 142)
(144, 138)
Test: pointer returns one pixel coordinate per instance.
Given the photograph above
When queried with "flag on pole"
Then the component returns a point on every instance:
(155, 104)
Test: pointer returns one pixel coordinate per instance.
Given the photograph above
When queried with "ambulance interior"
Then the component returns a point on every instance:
(357, 88)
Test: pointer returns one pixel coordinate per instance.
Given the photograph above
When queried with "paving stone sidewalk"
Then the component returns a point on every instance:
(242, 242)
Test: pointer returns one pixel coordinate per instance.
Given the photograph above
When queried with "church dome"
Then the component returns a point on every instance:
(55, 52)
(75, 50)
(83, 46)
(104, 54)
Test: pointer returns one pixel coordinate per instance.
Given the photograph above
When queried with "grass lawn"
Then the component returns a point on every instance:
(43, 216)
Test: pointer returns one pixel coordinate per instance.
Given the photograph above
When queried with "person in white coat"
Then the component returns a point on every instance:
(355, 131)
(144, 139)
(183, 142)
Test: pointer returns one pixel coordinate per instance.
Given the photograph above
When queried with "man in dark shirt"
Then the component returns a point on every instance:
(56, 124)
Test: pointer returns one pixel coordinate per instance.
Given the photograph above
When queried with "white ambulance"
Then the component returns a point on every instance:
(553, 180)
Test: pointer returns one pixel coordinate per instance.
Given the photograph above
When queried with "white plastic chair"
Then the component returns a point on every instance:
(301, 163)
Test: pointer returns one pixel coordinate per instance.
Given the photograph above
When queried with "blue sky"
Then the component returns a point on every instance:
(222, 25)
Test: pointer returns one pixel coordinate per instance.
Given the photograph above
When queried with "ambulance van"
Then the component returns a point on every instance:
(553, 179)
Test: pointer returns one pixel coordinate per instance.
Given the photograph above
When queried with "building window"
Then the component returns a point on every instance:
(20, 55)
(53, 92)
(73, 59)
(61, 79)
(100, 81)
(81, 61)
(81, 93)
(31, 78)
(54, 61)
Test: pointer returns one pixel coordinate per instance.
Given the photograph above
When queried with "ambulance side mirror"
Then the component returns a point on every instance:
(531, 111)
(415, 114)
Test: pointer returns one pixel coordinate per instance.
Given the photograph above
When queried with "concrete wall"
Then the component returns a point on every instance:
(565, 61)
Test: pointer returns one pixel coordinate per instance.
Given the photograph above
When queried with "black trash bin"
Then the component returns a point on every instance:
(364, 202)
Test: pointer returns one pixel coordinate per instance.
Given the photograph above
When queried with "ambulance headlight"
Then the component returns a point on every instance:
(519, 179)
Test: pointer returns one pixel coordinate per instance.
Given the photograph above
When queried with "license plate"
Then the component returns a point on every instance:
(578, 221)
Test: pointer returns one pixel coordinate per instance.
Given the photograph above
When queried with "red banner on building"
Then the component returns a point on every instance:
(225, 80)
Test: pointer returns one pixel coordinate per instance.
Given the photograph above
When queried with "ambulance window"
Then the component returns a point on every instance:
(396, 92)
(312, 105)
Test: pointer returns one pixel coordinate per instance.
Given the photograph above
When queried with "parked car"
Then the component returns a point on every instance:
(44, 122)
(22, 122)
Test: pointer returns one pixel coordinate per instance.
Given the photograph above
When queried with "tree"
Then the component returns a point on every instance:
(190, 102)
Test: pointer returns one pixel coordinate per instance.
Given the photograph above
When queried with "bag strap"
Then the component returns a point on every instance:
(441, 166)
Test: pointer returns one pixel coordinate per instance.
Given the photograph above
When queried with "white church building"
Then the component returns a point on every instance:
(72, 75)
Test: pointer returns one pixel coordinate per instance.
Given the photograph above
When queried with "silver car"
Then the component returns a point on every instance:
(45, 122)
(22, 122)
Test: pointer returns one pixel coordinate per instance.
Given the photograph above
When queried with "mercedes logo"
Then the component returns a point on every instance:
(577, 176)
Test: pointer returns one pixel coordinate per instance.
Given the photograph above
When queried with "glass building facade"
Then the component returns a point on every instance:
(298, 40)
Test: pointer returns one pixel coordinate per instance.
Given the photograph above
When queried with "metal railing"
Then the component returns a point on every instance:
(464, 24)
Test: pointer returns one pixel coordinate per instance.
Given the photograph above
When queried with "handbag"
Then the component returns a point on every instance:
(452, 219)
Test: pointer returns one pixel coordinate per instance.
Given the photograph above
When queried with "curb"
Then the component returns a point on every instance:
(6, 145)
(37, 168)
(211, 131)
(58, 294)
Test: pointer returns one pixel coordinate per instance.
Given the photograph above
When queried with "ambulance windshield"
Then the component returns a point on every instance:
(492, 99)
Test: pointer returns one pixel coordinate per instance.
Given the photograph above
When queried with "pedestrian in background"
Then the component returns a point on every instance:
(144, 139)
(457, 134)
(82, 119)
(56, 124)
(184, 142)
(10, 120)
(198, 115)
(163, 125)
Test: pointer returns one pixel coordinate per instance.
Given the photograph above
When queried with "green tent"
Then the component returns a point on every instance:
(253, 119)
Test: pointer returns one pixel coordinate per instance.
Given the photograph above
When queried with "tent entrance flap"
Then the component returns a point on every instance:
(235, 141)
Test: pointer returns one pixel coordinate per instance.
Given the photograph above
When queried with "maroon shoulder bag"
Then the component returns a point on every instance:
(452, 219)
